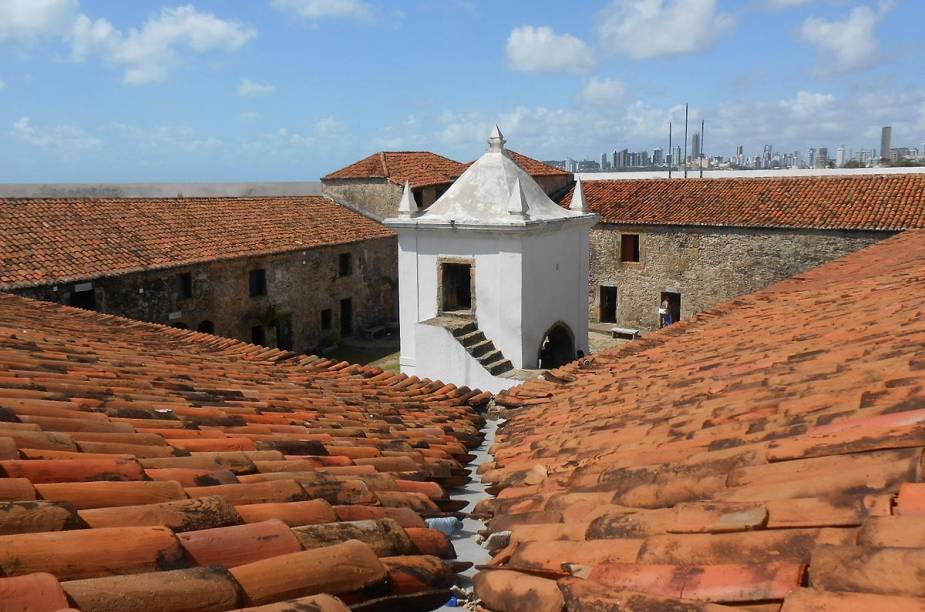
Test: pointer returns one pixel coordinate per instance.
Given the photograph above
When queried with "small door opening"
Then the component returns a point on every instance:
(346, 317)
(608, 305)
(284, 333)
(457, 287)
(557, 347)
(206, 327)
(669, 309)
(258, 335)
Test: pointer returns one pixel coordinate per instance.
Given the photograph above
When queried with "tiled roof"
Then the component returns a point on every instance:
(768, 451)
(869, 202)
(534, 167)
(420, 168)
(147, 468)
(57, 240)
(423, 169)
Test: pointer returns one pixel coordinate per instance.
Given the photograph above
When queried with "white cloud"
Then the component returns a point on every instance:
(848, 44)
(252, 89)
(167, 138)
(320, 9)
(2, 84)
(24, 21)
(808, 105)
(65, 138)
(787, 3)
(249, 116)
(532, 49)
(329, 127)
(601, 92)
(651, 28)
(147, 54)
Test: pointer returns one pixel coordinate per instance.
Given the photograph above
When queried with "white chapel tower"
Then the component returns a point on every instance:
(493, 277)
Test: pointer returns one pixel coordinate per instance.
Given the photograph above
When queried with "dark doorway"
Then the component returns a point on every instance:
(674, 307)
(346, 317)
(179, 325)
(206, 327)
(456, 279)
(284, 333)
(608, 313)
(258, 335)
(558, 347)
(84, 299)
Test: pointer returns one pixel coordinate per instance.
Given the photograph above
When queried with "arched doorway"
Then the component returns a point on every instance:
(179, 325)
(557, 347)
(206, 327)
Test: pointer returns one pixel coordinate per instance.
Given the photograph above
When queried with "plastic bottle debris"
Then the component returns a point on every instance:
(449, 525)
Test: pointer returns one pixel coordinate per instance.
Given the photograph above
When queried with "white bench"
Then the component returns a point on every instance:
(375, 332)
(624, 332)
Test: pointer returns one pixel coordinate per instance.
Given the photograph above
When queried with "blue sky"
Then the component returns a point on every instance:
(243, 90)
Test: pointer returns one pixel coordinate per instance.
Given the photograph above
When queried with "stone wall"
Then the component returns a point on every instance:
(706, 265)
(300, 285)
(377, 198)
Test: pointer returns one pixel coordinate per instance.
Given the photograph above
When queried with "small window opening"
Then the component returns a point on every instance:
(258, 335)
(185, 285)
(346, 317)
(608, 305)
(327, 317)
(85, 299)
(629, 247)
(345, 264)
(457, 286)
(180, 325)
(206, 327)
(418, 197)
(258, 282)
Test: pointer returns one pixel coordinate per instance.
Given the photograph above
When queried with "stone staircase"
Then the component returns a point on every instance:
(476, 344)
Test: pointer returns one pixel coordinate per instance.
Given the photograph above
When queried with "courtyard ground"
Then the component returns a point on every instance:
(384, 352)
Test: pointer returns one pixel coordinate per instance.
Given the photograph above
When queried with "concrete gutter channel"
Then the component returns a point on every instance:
(465, 541)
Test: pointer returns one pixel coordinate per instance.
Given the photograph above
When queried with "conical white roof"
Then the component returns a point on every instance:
(483, 194)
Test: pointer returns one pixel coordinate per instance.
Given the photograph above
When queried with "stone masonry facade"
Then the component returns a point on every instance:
(705, 265)
(300, 287)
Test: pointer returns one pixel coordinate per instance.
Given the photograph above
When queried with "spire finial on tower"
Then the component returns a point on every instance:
(517, 204)
(407, 206)
(496, 140)
(578, 203)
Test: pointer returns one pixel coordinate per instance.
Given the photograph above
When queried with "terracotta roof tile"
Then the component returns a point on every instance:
(176, 470)
(870, 202)
(424, 169)
(420, 168)
(56, 240)
(778, 431)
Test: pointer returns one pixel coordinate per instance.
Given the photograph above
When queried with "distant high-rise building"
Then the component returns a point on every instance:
(840, 156)
(822, 158)
(812, 157)
(658, 157)
(676, 156)
(886, 142)
(604, 164)
(695, 145)
(613, 160)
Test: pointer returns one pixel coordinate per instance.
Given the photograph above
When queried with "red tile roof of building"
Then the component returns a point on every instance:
(868, 202)
(767, 450)
(420, 168)
(424, 169)
(143, 467)
(534, 167)
(57, 240)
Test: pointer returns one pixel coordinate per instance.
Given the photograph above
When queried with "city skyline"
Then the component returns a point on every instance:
(205, 90)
